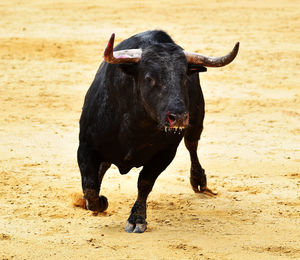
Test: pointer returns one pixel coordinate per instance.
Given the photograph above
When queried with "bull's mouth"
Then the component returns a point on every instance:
(174, 129)
(176, 123)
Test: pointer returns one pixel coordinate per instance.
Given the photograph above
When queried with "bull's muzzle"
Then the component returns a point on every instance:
(177, 120)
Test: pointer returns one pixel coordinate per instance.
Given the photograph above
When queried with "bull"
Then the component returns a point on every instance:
(145, 97)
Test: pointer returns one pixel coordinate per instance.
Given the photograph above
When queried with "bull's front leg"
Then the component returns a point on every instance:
(197, 178)
(137, 220)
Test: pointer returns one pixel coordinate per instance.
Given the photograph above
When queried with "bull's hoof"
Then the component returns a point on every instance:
(99, 205)
(136, 222)
(208, 191)
(199, 183)
(135, 228)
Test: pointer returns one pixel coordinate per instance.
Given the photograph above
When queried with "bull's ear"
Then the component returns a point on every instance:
(195, 68)
(129, 68)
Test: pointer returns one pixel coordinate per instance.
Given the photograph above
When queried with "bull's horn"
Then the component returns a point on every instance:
(123, 56)
(199, 59)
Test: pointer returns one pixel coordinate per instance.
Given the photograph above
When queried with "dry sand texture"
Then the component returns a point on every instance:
(50, 51)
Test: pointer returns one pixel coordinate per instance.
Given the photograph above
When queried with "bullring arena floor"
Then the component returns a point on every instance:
(50, 51)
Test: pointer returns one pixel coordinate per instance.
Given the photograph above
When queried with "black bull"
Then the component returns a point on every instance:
(144, 99)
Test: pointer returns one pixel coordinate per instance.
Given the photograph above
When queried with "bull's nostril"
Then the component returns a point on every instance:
(171, 118)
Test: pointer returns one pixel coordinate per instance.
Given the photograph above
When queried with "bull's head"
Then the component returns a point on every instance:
(162, 74)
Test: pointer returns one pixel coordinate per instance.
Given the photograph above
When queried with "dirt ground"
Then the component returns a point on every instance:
(50, 51)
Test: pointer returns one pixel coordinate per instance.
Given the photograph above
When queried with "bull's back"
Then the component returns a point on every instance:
(97, 111)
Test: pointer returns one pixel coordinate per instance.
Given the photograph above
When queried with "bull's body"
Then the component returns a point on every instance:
(126, 120)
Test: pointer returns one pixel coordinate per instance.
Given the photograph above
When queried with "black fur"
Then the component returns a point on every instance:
(124, 116)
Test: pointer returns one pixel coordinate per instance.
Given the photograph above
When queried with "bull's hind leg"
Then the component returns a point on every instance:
(92, 172)
(137, 220)
(198, 177)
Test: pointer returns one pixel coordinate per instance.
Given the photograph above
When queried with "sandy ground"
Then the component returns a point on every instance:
(50, 51)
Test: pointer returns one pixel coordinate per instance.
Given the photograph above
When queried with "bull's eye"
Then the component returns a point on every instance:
(149, 80)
